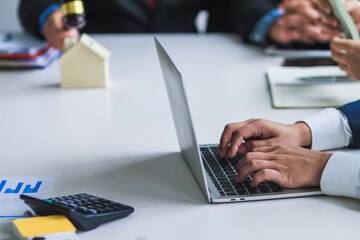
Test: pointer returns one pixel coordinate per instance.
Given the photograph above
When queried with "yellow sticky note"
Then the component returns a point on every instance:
(39, 226)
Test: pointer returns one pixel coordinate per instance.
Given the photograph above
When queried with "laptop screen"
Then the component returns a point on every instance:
(181, 115)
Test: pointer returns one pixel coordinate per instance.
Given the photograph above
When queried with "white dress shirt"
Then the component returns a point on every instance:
(330, 130)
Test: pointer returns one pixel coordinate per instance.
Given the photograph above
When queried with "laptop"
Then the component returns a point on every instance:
(215, 175)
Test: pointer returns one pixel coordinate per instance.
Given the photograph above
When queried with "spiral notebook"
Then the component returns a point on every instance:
(312, 87)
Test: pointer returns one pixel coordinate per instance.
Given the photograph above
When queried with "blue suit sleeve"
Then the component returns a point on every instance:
(45, 15)
(262, 27)
(352, 112)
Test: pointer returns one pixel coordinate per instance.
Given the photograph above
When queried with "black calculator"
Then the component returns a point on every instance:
(85, 211)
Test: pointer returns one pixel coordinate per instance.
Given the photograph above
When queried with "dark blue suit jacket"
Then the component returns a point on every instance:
(135, 16)
(352, 112)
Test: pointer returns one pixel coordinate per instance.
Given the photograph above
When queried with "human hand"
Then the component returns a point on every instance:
(301, 23)
(261, 133)
(290, 167)
(353, 7)
(325, 10)
(54, 30)
(347, 53)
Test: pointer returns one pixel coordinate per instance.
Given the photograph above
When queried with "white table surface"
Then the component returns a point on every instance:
(120, 142)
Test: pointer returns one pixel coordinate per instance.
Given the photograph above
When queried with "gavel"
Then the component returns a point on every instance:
(74, 14)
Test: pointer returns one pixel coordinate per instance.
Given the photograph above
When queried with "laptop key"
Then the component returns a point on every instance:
(222, 193)
(264, 189)
(247, 184)
(240, 187)
(242, 192)
(228, 190)
(232, 194)
(274, 186)
(215, 149)
(222, 179)
(232, 177)
(253, 190)
(220, 175)
(225, 183)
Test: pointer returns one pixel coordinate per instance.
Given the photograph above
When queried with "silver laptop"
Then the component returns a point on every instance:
(215, 175)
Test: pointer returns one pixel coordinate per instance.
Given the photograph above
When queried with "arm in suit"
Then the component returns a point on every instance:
(331, 129)
(240, 16)
(30, 11)
(352, 112)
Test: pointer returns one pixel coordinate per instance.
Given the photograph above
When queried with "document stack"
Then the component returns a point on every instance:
(20, 50)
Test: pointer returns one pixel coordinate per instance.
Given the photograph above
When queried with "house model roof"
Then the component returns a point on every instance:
(92, 45)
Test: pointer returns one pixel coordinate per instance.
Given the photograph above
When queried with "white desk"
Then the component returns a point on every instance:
(120, 142)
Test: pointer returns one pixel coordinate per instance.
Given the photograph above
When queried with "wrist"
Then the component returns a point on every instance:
(303, 134)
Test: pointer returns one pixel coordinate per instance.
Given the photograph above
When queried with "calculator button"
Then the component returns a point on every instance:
(101, 210)
(63, 202)
(92, 211)
(118, 208)
(73, 205)
(82, 209)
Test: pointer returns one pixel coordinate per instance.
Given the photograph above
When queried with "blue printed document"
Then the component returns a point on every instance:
(11, 206)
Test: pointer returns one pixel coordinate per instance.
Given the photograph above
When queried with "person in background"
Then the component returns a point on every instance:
(258, 21)
(291, 23)
(43, 18)
(345, 51)
(287, 154)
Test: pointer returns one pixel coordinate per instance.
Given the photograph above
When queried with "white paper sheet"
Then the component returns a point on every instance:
(297, 53)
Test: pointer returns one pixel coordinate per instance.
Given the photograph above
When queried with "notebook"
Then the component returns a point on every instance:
(312, 87)
(54, 227)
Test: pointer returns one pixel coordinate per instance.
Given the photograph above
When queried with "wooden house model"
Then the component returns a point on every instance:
(84, 64)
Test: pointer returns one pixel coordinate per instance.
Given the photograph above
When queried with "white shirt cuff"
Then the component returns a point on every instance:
(329, 130)
(341, 175)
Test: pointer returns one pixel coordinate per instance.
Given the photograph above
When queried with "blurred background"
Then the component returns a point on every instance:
(9, 17)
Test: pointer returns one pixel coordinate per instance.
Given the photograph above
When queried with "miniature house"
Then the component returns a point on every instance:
(85, 63)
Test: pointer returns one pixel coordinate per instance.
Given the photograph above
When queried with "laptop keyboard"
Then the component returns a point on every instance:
(222, 172)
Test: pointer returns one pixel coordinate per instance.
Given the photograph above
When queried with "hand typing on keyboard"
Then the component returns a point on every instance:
(261, 133)
(273, 152)
(290, 167)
